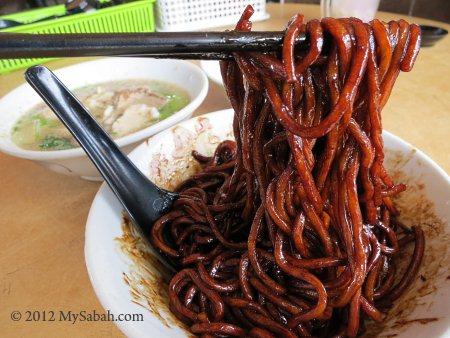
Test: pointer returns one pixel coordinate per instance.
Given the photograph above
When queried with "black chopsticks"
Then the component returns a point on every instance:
(183, 45)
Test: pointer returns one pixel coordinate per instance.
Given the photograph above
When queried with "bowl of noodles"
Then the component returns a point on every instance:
(296, 214)
(129, 279)
(132, 99)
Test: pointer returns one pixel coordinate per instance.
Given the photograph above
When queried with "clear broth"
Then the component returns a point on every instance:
(121, 107)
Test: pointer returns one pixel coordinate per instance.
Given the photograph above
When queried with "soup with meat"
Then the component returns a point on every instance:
(121, 107)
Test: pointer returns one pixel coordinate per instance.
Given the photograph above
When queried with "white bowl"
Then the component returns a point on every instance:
(74, 161)
(124, 274)
(212, 70)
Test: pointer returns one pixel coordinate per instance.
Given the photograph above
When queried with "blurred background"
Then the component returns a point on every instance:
(430, 9)
(12, 6)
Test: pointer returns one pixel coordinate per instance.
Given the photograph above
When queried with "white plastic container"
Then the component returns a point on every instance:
(190, 15)
(362, 9)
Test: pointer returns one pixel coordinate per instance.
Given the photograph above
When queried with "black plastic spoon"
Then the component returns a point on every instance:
(142, 199)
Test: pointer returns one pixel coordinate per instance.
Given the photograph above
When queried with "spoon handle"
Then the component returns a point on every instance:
(143, 200)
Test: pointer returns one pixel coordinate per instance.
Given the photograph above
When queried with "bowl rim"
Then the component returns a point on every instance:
(91, 249)
(141, 134)
(433, 31)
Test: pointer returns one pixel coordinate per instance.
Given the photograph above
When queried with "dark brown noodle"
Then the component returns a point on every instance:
(290, 230)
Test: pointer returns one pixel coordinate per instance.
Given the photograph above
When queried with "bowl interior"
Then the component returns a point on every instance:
(127, 279)
(184, 74)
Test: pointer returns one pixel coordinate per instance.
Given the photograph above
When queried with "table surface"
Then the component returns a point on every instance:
(43, 214)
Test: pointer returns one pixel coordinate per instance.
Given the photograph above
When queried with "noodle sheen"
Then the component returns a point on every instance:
(291, 231)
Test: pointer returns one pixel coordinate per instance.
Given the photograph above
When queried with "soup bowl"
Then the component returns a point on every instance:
(16, 103)
(127, 278)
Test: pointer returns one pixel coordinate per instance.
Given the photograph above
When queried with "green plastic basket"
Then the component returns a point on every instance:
(136, 16)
